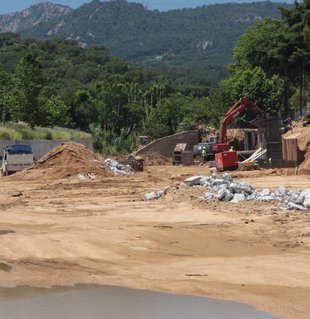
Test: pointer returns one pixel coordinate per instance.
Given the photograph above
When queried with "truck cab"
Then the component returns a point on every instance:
(15, 158)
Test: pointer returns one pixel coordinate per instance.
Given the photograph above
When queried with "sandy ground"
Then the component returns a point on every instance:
(102, 231)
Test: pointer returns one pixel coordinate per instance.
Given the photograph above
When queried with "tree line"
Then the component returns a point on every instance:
(58, 83)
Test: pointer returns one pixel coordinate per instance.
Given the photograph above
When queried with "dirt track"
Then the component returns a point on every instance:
(68, 231)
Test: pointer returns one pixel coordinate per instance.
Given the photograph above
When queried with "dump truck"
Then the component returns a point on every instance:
(15, 158)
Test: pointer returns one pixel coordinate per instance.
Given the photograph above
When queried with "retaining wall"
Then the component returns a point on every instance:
(41, 147)
(166, 145)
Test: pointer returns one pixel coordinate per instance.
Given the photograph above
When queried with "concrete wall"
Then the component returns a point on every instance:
(166, 145)
(41, 147)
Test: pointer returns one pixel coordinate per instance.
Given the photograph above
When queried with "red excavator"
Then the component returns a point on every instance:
(217, 145)
(229, 160)
(230, 116)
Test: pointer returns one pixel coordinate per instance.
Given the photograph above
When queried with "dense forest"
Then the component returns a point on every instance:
(194, 45)
(55, 82)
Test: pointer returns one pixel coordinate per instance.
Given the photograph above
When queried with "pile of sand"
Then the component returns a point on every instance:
(154, 159)
(69, 159)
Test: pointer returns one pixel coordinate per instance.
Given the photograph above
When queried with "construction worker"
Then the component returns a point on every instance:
(204, 155)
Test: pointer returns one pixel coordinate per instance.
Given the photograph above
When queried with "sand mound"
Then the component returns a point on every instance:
(152, 159)
(69, 159)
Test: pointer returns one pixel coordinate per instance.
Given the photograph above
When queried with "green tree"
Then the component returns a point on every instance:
(265, 45)
(176, 113)
(56, 112)
(111, 97)
(30, 82)
(7, 103)
(83, 109)
(297, 20)
(263, 90)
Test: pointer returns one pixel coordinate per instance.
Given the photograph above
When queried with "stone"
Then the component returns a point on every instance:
(281, 191)
(218, 181)
(227, 177)
(17, 194)
(264, 192)
(291, 205)
(305, 192)
(297, 199)
(246, 187)
(235, 187)
(150, 196)
(306, 202)
(268, 198)
(118, 168)
(208, 196)
(238, 198)
(193, 180)
(205, 184)
(221, 194)
(228, 197)
(160, 194)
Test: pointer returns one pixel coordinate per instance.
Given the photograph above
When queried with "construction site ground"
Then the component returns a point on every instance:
(63, 231)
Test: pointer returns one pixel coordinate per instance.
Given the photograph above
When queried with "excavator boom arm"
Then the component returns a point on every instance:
(233, 113)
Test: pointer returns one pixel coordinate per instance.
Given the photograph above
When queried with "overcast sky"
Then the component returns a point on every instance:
(7, 6)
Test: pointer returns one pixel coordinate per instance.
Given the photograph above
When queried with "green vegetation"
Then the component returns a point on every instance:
(192, 45)
(271, 63)
(20, 131)
(59, 83)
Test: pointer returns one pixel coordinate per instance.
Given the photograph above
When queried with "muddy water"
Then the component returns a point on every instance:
(104, 302)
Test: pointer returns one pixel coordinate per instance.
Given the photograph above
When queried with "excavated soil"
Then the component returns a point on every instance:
(152, 159)
(66, 160)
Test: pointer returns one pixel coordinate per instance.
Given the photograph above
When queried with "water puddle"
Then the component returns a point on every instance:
(105, 302)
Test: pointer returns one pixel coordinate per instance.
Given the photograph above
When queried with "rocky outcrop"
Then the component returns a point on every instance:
(30, 17)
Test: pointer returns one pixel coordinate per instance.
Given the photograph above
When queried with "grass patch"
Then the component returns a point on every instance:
(5, 267)
(20, 131)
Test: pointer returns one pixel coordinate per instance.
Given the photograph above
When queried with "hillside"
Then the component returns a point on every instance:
(69, 72)
(193, 44)
(28, 18)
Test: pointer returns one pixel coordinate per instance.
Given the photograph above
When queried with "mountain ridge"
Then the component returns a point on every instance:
(198, 40)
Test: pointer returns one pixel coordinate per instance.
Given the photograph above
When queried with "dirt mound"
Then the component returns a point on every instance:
(303, 136)
(68, 159)
(304, 146)
(304, 167)
(152, 159)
